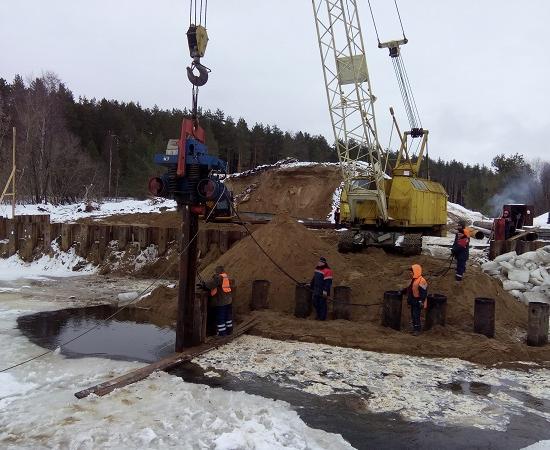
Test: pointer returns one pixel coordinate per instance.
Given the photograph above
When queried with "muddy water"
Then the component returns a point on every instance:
(130, 337)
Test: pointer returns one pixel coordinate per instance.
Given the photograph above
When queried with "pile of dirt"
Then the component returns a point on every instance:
(305, 192)
(296, 249)
(292, 246)
(161, 304)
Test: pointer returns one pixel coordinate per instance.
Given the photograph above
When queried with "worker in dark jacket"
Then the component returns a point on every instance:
(508, 225)
(417, 292)
(320, 286)
(220, 295)
(461, 250)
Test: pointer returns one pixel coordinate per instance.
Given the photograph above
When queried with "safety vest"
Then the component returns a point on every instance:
(418, 280)
(226, 286)
(418, 283)
(465, 239)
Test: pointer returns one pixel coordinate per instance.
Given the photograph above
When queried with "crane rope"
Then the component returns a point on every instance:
(409, 102)
(400, 21)
(374, 22)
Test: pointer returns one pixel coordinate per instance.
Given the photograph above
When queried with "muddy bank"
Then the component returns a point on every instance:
(449, 341)
(369, 274)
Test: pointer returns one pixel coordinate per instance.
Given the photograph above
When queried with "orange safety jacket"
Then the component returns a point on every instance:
(464, 241)
(418, 288)
(226, 286)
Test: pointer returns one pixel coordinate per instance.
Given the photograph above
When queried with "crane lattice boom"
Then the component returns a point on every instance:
(350, 100)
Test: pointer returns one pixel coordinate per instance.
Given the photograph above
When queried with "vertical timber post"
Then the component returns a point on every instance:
(484, 316)
(260, 295)
(186, 336)
(392, 309)
(537, 324)
(342, 299)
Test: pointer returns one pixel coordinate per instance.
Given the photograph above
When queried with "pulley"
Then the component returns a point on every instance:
(197, 39)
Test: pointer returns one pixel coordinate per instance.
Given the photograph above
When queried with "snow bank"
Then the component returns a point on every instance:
(61, 264)
(286, 163)
(38, 409)
(335, 204)
(541, 445)
(75, 211)
(456, 211)
(541, 221)
(413, 387)
(525, 276)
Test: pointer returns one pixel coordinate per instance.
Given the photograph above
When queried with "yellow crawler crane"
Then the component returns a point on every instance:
(386, 210)
(416, 206)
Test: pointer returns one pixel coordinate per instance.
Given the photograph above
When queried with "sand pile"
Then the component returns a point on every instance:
(305, 192)
(291, 245)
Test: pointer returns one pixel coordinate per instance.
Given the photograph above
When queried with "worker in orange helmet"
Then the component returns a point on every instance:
(417, 292)
(220, 294)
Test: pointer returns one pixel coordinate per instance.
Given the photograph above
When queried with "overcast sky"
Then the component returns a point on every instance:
(480, 69)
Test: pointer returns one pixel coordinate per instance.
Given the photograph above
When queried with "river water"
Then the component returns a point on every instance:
(344, 411)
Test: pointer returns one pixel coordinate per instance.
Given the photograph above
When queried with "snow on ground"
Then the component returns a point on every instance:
(413, 387)
(458, 211)
(541, 221)
(61, 264)
(38, 409)
(335, 204)
(542, 445)
(75, 211)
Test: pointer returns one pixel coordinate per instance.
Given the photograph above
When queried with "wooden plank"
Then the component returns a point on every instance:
(166, 363)
(66, 238)
(523, 234)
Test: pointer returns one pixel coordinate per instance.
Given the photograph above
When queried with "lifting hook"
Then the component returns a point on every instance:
(202, 77)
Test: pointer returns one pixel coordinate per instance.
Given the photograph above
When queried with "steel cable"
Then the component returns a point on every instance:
(282, 270)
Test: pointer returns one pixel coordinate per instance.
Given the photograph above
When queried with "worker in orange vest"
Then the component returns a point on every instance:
(461, 250)
(220, 294)
(417, 293)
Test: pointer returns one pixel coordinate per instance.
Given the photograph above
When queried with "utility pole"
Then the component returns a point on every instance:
(11, 179)
(13, 172)
(110, 162)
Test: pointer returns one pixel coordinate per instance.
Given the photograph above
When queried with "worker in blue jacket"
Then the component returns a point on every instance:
(320, 285)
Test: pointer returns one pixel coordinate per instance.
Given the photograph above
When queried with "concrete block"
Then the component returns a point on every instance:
(535, 297)
(518, 275)
(507, 266)
(490, 266)
(530, 256)
(543, 255)
(506, 256)
(510, 285)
